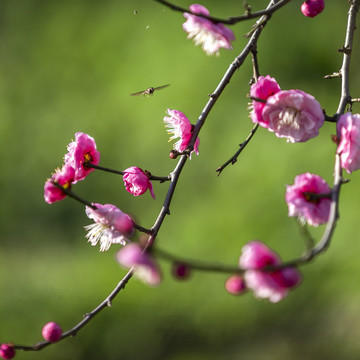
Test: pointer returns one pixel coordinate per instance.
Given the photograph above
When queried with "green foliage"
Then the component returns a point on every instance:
(68, 66)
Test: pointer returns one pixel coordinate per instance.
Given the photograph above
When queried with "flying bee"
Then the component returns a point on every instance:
(149, 91)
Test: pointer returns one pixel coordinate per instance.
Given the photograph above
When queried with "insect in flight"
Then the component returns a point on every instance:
(149, 91)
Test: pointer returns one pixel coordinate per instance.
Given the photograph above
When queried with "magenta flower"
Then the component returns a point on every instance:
(111, 226)
(211, 36)
(180, 127)
(81, 152)
(235, 285)
(7, 351)
(293, 114)
(52, 332)
(348, 133)
(311, 8)
(146, 268)
(273, 285)
(262, 89)
(137, 181)
(310, 208)
(64, 177)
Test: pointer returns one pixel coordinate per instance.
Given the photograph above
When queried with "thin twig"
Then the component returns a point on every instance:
(231, 20)
(233, 159)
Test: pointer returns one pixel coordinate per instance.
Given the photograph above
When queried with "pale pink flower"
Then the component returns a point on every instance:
(111, 226)
(63, 177)
(348, 133)
(179, 125)
(311, 8)
(294, 115)
(273, 285)
(235, 285)
(7, 351)
(210, 35)
(312, 209)
(137, 181)
(51, 332)
(146, 268)
(262, 89)
(80, 152)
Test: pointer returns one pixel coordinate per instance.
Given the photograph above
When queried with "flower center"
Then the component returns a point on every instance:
(290, 117)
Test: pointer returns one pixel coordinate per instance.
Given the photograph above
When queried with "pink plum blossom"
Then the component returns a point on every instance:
(146, 268)
(294, 115)
(312, 209)
(179, 125)
(7, 351)
(273, 285)
(137, 181)
(81, 152)
(212, 36)
(348, 133)
(311, 8)
(63, 177)
(262, 89)
(111, 226)
(52, 332)
(235, 285)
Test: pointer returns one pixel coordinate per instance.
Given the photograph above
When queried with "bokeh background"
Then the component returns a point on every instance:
(68, 66)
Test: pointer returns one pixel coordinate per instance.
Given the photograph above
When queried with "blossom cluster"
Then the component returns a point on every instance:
(81, 152)
(291, 114)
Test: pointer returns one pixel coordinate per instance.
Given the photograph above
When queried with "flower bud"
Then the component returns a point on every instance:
(311, 8)
(51, 332)
(235, 285)
(7, 351)
(180, 271)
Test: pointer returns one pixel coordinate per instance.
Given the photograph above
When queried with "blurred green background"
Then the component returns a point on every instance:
(68, 66)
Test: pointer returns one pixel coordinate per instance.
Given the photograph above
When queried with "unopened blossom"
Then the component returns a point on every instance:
(262, 89)
(311, 8)
(7, 351)
(52, 331)
(137, 181)
(266, 284)
(179, 125)
(111, 226)
(211, 36)
(235, 285)
(81, 152)
(348, 133)
(303, 199)
(63, 177)
(146, 268)
(294, 115)
(180, 271)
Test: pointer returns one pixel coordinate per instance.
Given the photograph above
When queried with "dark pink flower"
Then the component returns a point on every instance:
(137, 181)
(235, 285)
(180, 127)
(52, 332)
(294, 115)
(348, 133)
(111, 226)
(311, 8)
(314, 210)
(262, 89)
(212, 36)
(64, 177)
(273, 285)
(80, 152)
(146, 268)
(7, 351)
